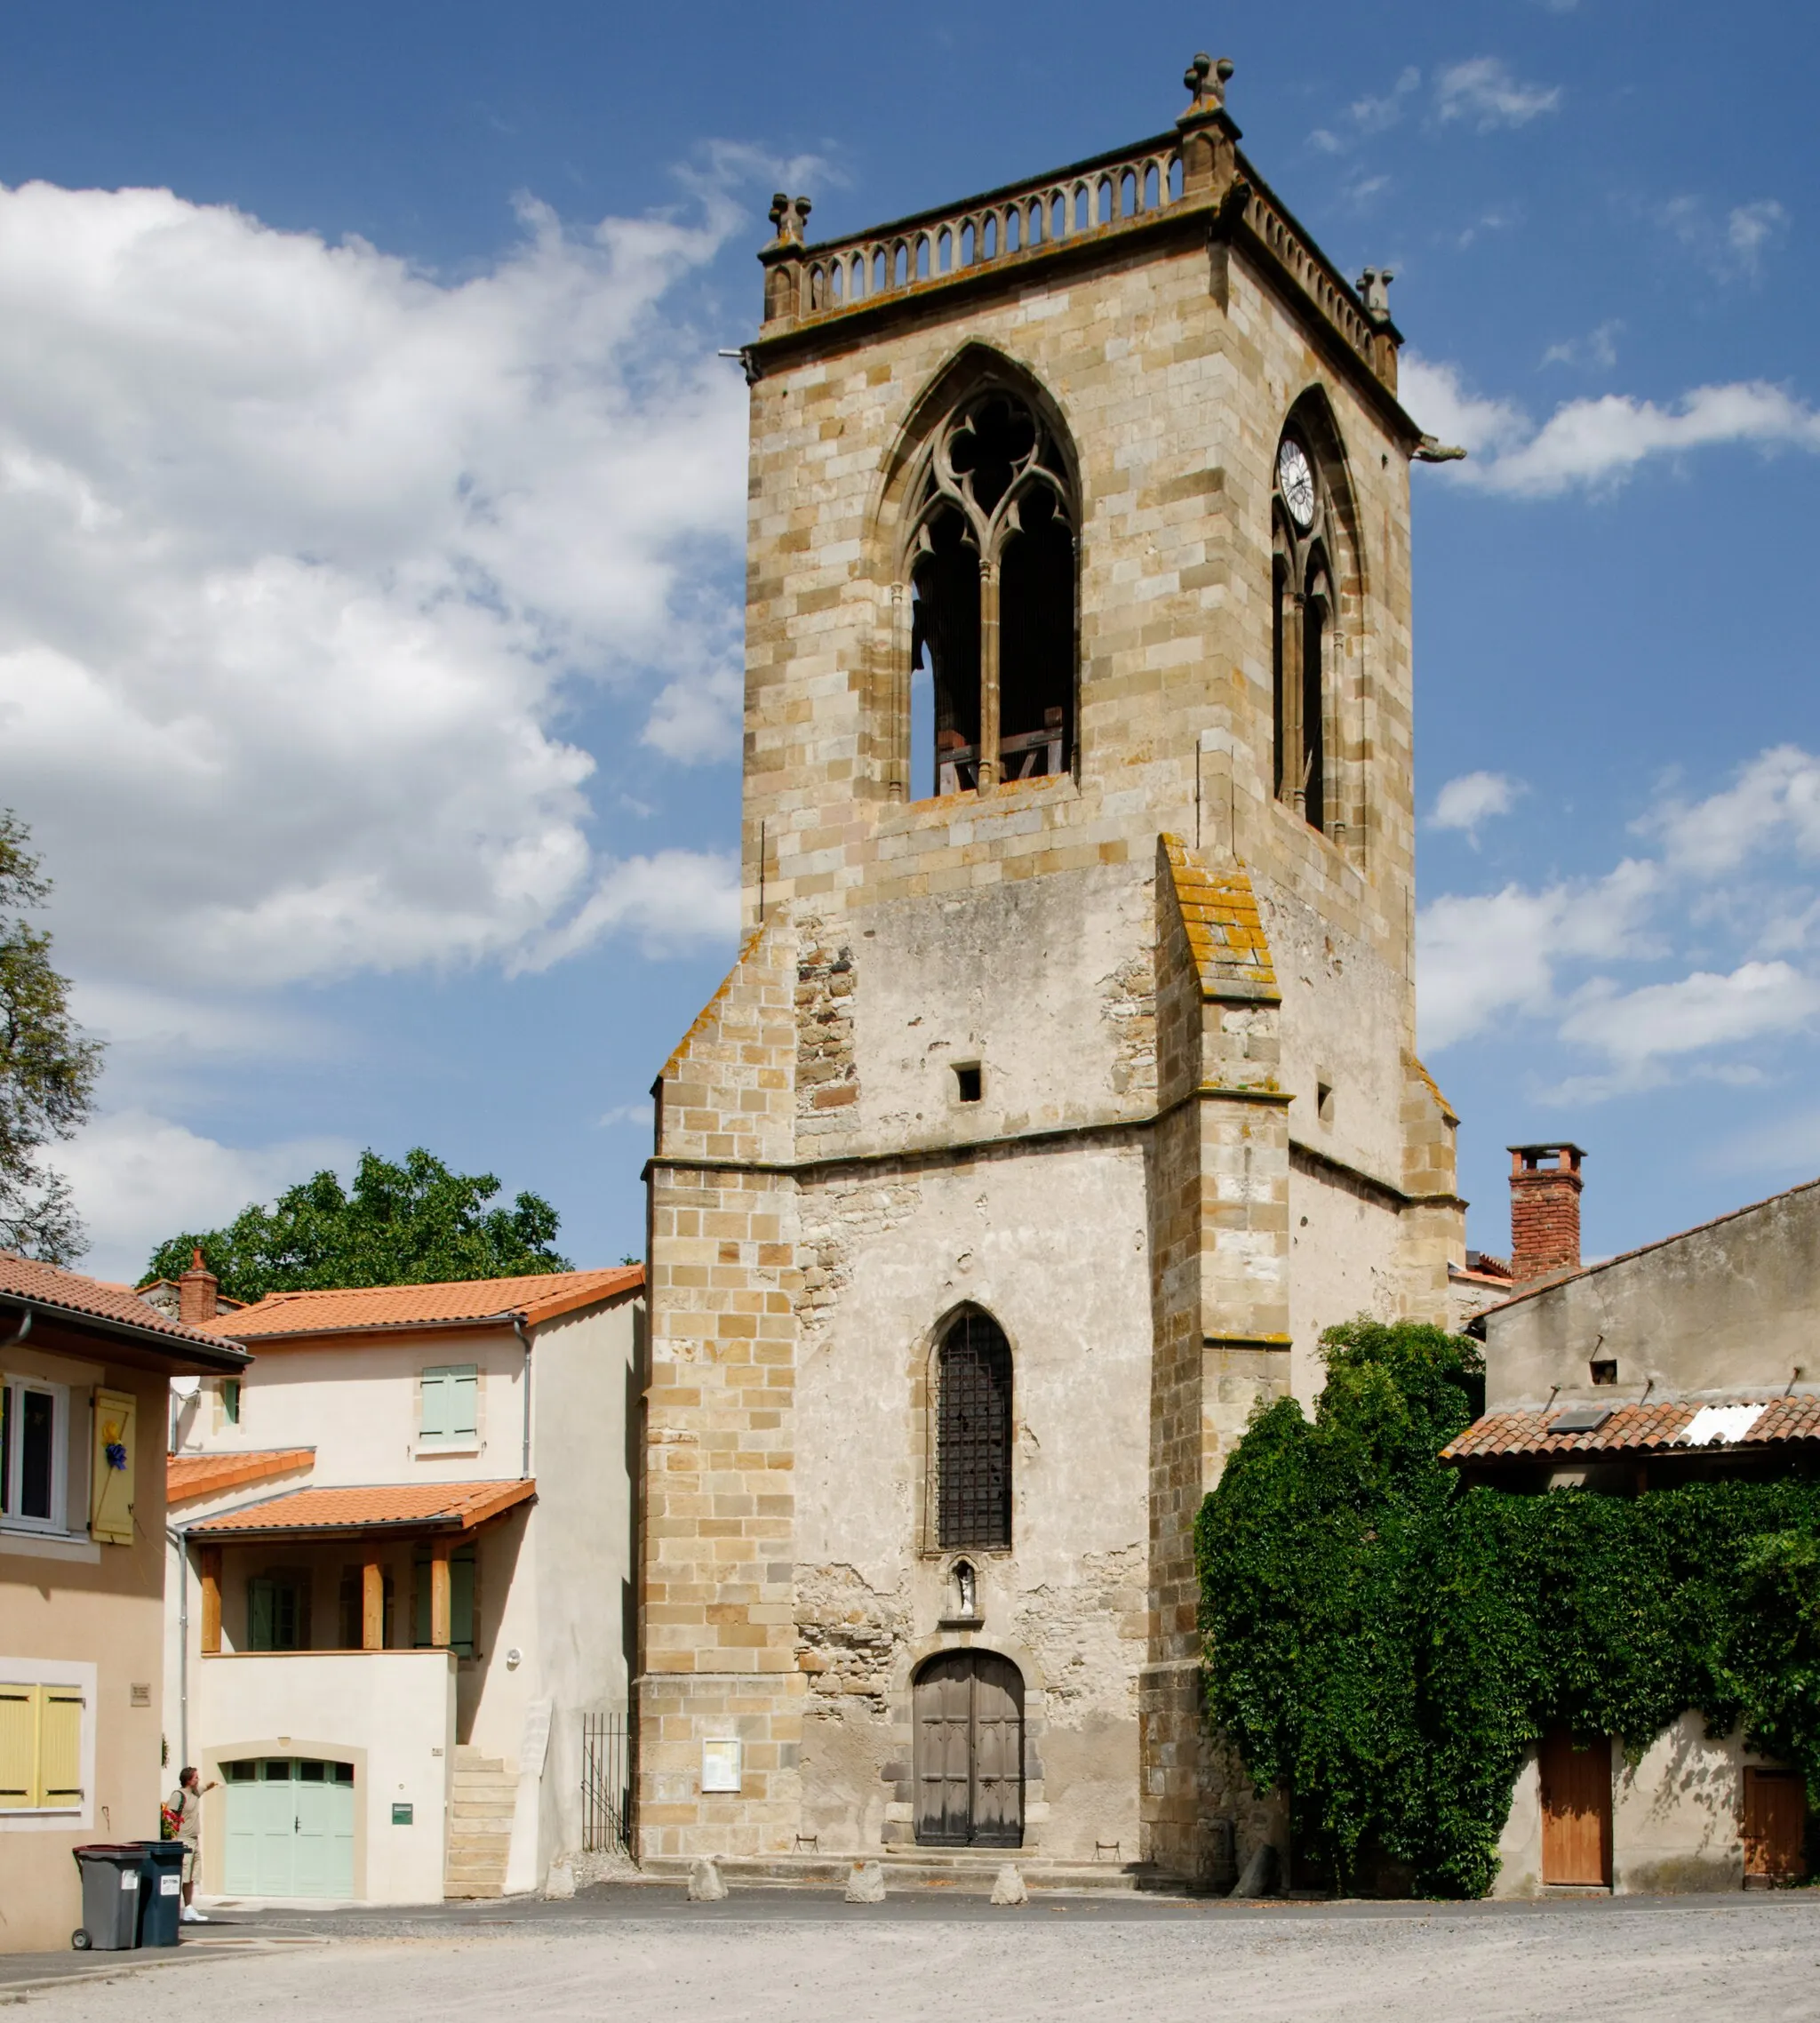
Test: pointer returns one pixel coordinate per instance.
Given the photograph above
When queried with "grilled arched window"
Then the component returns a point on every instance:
(992, 575)
(973, 1435)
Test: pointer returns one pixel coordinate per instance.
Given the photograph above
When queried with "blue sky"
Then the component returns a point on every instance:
(370, 501)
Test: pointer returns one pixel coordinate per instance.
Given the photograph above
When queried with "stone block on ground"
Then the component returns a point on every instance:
(1259, 1877)
(706, 1885)
(865, 1883)
(1007, 1886)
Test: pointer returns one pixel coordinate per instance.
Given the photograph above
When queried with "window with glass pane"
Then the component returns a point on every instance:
(33, 1419)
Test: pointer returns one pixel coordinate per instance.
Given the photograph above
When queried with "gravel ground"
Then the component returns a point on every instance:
(1752, 1958)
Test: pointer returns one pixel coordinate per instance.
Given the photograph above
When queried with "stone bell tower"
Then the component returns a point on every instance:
(1064, 1089)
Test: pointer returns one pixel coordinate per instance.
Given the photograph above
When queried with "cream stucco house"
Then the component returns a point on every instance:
(401, 1556)
(84, 1370)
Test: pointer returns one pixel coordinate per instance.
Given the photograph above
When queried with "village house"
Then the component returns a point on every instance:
(1690, 1359)
(1064, 1088)
(84, 1372)
(399, 1600)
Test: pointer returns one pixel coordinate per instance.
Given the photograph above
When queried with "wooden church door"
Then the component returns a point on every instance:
(969, 1751)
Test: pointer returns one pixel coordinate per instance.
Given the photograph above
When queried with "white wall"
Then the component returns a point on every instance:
(391, 1713)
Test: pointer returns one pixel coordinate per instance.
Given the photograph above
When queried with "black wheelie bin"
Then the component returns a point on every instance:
(160, 1892)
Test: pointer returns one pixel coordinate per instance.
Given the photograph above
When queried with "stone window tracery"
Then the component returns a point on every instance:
(1304, 642)
(992, 549)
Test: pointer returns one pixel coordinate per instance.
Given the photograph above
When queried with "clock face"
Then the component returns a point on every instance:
(1296, 483)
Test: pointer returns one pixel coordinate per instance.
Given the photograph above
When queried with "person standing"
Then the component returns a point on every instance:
(185, 1810)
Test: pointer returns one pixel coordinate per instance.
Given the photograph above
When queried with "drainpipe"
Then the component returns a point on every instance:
(524, 1343)
(181, 1539)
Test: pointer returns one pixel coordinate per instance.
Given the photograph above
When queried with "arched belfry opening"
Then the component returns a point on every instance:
(992, 565)
(1315, 592)
(973, 1435)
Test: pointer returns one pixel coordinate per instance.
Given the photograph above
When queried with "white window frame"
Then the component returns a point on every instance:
(57, 1672)
(56, 1525)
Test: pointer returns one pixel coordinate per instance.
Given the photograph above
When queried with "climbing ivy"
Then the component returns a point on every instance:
(1382, 1645)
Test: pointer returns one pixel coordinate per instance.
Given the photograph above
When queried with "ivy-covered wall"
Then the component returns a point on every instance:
(1383, 1646)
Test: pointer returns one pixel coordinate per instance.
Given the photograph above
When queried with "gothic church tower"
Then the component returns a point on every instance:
(1064, 1088)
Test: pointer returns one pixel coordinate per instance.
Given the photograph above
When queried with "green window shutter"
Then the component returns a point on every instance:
(462, 1603)
(261, 1611)
(434, 1421)
(464, 1418)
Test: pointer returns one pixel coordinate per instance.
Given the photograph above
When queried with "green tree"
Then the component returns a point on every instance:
(47, 1066)
(411, 1224)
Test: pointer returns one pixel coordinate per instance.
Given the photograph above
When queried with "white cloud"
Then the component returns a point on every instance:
(1637, 1029)
(138, 1179)
(1731, 247)
(1590, 443)
(302, 550)
(669, 902)
(1480, 957)
(1598, 348)
(1368, 114)
(1472, 798)
(1775, 801)
(1483, 90)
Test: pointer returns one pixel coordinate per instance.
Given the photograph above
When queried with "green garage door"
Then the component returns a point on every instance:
(290, 1828)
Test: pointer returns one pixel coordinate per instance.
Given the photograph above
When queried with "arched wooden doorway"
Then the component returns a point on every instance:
(969, 1751)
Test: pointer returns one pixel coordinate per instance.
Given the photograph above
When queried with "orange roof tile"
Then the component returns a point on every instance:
(51, 1286)
(1657, 1427)
(356, 1309)
(371, 1506)
(187, 1476)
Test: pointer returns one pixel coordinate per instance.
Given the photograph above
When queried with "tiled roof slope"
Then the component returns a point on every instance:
(1226, 933)
(1632, 1429)
(449, 1505)
(49, 1285)
(540, 1298)
(187, 1476)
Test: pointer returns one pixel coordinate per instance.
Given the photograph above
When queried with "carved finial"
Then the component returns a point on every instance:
(1207, 80)
(1374, 292)
(790, 214)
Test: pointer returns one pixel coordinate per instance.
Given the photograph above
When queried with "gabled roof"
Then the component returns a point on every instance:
(457, 1303)
(188, 1476)
(1727, 1423)
(118, 1311)
(423, 1507)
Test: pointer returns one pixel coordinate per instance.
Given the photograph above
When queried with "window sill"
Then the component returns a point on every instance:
(50, 1545)
(428, 1450)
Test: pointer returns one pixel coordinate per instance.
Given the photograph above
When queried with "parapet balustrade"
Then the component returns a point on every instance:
(1116, 190)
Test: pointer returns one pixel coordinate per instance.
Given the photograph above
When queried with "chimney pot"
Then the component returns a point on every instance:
(196, 1292)
(1545, 1184)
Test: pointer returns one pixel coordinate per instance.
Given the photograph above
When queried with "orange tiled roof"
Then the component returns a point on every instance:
(371, 1506)
(1656, 1428)
(358, 1309)
(49, 1285)
(187, 1476)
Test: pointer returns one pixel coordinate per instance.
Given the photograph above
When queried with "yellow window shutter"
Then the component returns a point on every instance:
(19, 1746)
(60, 1745)
(111, 1470)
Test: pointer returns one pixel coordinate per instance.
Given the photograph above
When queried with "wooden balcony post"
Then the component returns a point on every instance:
(209, 1560)
(439, 1592)
(373, 1606)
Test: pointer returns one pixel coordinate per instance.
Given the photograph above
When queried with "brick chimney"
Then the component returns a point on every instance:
(1545, 1211)
(196, 1292)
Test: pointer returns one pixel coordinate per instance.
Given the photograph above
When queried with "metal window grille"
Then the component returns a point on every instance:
(973, 1440)
(609, 1749)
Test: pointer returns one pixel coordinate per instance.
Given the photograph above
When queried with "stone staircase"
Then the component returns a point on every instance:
(481, 1794)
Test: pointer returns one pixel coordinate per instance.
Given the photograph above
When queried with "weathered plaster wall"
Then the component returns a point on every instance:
(1732, 1305)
